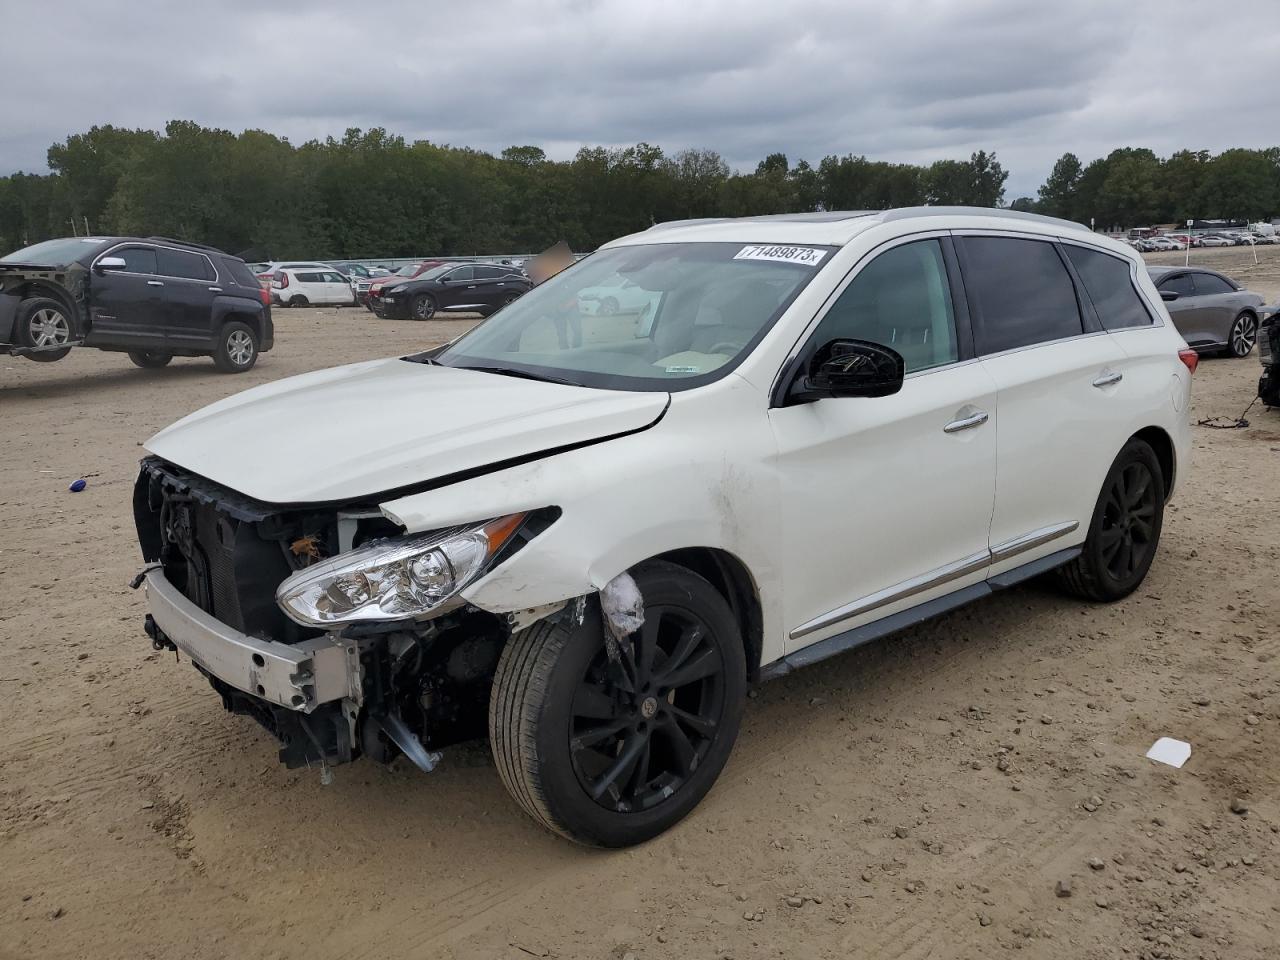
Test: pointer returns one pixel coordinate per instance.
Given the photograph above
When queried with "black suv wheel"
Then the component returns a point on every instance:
(43, 324)
(150, 359)
(613, 754)
(237, 349)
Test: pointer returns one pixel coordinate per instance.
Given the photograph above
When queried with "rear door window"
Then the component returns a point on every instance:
(180, 263)
(1023, 293)
(1108, 282)
(460, 274)
(1208, 284)
(310, 277)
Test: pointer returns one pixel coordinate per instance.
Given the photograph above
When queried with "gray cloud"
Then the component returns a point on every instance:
(911, 80)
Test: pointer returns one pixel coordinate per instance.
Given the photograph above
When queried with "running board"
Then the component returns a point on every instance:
(909, 618)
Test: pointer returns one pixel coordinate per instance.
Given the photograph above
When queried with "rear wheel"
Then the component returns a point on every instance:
(423, 306)
(237, 349)
(609, 306)
(43, 324)
(298, 300)
(613, 754)
(1124, 531)
(1244, 334)
(150, 359)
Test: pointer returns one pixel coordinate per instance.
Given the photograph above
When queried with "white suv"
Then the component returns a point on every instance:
(587, 535)
(301, 286)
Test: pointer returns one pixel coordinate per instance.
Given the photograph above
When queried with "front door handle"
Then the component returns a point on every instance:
(1108, 378)
(215, 289)
(155, 283)
(966, 423)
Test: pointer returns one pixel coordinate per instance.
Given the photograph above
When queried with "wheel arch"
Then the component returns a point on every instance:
(1160, 441)
(734, 582)
(54, 291)
(233, 315)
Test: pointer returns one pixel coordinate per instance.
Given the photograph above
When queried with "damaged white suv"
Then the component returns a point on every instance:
(591, 533)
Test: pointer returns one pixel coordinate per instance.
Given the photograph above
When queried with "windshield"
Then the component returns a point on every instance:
(409, 270)
(658, 316)
(54, 253)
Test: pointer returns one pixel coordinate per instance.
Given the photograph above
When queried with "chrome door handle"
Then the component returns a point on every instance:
(155, 283)
(215, 289)
(966, 423)
(1108, 379)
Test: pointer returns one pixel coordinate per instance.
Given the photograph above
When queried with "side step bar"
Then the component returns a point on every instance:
(909, 618)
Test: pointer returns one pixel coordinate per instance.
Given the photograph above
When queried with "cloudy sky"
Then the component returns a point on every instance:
(902, 80)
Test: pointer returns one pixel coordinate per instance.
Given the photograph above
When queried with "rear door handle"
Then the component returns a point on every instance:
(1108, 378)
(215, 289)
(966, 423)
(155, 283)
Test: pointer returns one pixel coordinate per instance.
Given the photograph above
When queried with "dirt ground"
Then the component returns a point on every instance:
(921, 797)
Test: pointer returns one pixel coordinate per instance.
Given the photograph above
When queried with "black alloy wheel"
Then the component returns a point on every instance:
(424, 306)
(640, 729)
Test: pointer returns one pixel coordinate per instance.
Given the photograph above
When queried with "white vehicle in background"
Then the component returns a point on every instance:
(616, 295)
(1213, 240)
(1164, 243)
(589, 545)
(294, 286)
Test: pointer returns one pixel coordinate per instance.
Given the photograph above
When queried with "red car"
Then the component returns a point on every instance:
(407, 272)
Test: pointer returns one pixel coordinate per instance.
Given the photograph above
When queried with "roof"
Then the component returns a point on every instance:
(830, 227)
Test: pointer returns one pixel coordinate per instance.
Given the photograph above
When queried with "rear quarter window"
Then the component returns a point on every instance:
(1108, 282)
(239, 272)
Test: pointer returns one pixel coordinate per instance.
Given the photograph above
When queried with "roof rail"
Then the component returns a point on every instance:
(187, 243)
(906, 213)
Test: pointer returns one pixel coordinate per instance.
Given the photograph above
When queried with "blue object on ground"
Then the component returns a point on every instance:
(77, 485)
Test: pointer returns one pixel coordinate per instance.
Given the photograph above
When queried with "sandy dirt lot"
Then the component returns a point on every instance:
(921, 797)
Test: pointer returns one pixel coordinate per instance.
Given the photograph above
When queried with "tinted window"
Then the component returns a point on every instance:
(137, 259)
(334, 278)
(310, 277)
(461, 273)
(490, 273)
(1107, 282)
(900, 299)
(179, 263)
(1181, 285)
(1207, 284)
(1023, 291)
(239, 272)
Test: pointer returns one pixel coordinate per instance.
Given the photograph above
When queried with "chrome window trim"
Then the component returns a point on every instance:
(217, 277)
(937, 577)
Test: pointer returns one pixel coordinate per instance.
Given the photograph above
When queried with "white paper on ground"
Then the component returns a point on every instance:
(1168, 750)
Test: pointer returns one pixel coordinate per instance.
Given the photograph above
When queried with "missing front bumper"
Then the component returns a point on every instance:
(299, 677)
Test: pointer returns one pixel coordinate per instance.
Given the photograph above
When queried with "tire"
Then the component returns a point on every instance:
(609, 307)
(1243, 336)
(150, 359)
(423, 307)
(299, 301)
(555, 693)
(237, 349)
(1124, 531)
(43, 322)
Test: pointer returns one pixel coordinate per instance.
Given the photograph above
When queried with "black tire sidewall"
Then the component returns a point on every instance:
(422, 298)
(1109, 587)
(567, 802)
(150, 359)
(222, 358)
(27, 310)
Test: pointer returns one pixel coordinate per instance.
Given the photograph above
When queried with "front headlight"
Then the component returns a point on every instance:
(397, 579)
(396, 289)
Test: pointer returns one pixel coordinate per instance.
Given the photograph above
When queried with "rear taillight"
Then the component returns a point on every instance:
(280, 281)
(265, 294)
(1190, 359)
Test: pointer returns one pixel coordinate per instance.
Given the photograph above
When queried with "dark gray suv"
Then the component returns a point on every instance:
(153, 298)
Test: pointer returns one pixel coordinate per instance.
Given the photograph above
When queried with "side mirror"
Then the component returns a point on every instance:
(1168, 296)
(107, 264)
(850, 368)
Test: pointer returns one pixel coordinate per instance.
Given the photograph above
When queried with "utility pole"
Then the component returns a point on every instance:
(86, 225)
(72, 221)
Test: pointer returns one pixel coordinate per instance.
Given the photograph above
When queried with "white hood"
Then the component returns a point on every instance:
(370, 427)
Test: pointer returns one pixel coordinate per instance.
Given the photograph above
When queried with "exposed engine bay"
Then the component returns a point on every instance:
(419, 685)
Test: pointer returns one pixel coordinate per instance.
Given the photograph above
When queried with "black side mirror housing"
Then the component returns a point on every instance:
(1168, 296)
(850, 368)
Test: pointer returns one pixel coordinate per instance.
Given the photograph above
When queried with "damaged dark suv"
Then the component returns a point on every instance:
(154, 299)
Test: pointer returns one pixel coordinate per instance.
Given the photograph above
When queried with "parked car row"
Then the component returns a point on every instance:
(1179, 241)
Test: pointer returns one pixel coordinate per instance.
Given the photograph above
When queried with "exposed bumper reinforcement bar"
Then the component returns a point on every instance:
(298, 677)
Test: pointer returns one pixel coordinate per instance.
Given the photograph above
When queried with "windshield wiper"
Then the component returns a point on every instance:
(523, 374)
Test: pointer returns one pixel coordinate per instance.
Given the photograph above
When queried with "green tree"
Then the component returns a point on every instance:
(1059, 194)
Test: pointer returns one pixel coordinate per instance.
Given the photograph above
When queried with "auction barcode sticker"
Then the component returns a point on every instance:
(804, 256)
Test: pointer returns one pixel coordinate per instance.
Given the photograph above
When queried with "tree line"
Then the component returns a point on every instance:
(372, 194)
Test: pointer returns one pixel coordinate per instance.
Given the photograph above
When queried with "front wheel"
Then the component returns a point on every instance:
(609, 754)
(237, 349)
(424, 307)
(1244, 334)
(150, 359)
(1124, 531)
(43, 324)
